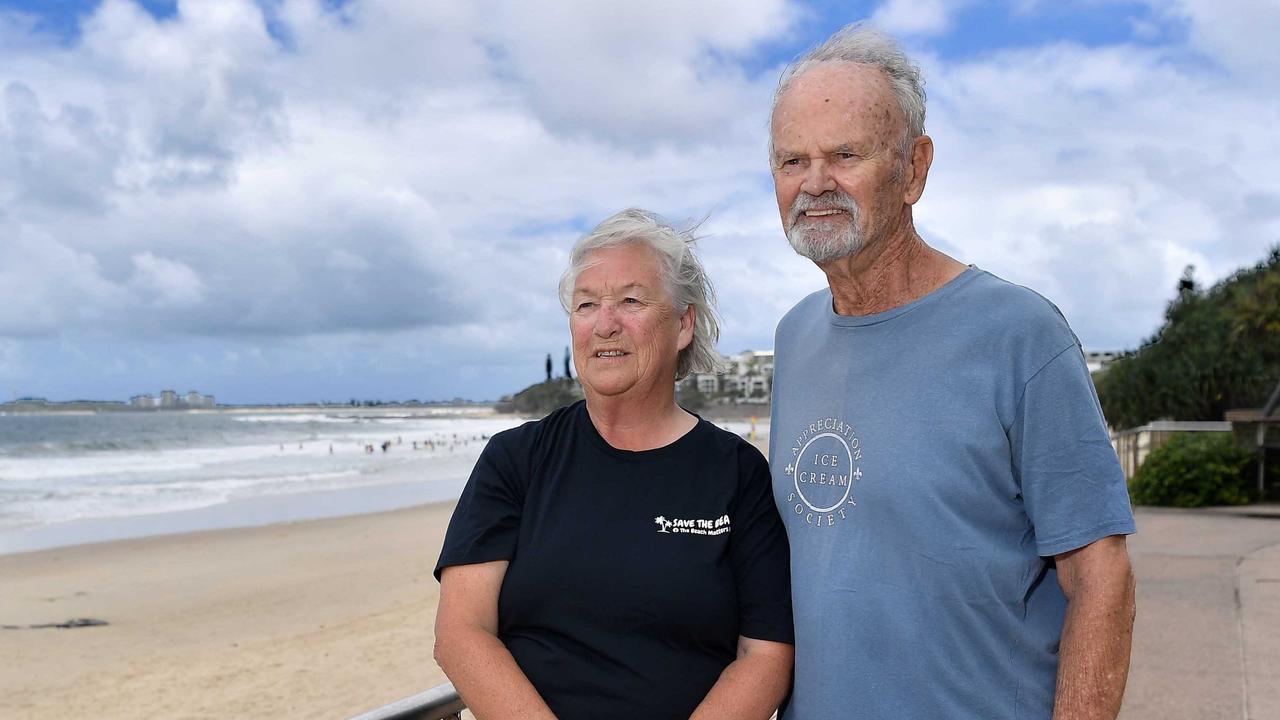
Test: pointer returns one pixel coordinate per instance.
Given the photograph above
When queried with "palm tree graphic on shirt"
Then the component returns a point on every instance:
(663, 523)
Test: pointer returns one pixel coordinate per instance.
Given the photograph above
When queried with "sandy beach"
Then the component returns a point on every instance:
(324, 618)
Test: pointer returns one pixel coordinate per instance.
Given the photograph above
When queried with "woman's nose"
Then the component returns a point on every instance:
(607, 324)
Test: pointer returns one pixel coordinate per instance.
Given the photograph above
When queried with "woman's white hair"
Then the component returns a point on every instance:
(681, 272)
(861, 44)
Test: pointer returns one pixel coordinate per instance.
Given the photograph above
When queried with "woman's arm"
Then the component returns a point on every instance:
(469, 651)
(753, 685)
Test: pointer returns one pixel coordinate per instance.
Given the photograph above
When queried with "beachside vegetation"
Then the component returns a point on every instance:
(1195, 470)
(1218, 349)
(540, 399)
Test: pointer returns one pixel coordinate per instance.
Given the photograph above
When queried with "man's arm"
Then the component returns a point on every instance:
(753, 685)
(469, 651)
(1093, 660)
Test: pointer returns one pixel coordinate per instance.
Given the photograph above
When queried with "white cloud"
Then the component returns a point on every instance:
(916, 17)
(1240, 34)
(403, 179)
(165, 283)
(1096, 174)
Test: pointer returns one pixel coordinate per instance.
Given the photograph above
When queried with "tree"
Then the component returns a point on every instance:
(1218, 349)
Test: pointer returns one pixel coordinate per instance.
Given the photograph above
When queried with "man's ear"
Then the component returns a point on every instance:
(918, 169)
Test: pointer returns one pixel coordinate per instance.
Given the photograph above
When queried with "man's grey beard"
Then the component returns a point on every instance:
(821, 245)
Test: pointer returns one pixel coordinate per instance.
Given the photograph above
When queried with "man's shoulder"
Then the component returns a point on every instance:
(1013, 307)
(812, 306)
(993, 290)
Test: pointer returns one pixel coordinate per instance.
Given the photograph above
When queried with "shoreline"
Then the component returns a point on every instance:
(409, 484)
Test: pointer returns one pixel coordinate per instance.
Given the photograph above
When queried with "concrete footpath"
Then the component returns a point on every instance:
(1207, 639)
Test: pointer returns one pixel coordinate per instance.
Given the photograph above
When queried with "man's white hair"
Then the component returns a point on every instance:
(681, 272)
(860, 44)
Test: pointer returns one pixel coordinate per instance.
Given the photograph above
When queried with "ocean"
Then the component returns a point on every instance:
(71, 478)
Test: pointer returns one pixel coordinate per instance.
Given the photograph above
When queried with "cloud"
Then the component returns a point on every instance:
(323, 192)
(165, 283)
(916, 17)
(1107, 171)
(1239, 34)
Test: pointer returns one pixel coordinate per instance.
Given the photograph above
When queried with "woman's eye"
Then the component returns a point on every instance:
(630, 301)
(585, 305)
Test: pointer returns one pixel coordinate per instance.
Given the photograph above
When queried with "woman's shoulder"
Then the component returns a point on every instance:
(533, 433)
(728, 443)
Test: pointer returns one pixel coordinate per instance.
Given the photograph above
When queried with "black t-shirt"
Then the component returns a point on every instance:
(632, 573)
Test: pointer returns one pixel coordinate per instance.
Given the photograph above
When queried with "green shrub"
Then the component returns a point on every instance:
(1194, 470)
(540, 399)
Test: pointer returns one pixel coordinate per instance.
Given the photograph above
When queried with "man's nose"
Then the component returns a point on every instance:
(817, 178)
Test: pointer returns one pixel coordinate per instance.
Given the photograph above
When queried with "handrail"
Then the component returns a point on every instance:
(441, 702)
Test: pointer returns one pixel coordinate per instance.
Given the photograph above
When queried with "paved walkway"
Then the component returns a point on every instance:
(1207, 640)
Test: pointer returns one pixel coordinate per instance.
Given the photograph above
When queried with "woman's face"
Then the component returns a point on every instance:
(626, 334)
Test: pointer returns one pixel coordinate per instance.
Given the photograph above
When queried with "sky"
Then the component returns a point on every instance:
(282, 201)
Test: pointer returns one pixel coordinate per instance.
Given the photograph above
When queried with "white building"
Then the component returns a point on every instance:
(747, 379)
(144, 401)
(1098, 359)
(194, 399)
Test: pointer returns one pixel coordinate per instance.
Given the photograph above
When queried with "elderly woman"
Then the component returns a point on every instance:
(620, 558)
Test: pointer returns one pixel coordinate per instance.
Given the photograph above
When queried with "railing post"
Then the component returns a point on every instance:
(441, 702)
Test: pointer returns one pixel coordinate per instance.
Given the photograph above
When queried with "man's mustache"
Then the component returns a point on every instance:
(829, 200)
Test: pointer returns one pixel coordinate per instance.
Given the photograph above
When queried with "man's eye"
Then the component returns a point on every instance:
(791, 162)
(845, 156)
(585, 305)
(630, 301)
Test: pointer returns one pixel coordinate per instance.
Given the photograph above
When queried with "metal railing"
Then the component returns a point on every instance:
(441, 702)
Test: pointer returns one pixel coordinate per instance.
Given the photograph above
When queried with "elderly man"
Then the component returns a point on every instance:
(955, 509)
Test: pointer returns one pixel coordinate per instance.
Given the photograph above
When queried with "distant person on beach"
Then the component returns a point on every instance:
(956, 513)
(620, 558)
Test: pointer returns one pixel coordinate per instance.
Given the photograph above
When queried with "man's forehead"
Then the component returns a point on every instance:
(858, 93)
(840, 82)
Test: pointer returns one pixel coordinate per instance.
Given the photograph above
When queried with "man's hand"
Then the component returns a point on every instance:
(1093, 658)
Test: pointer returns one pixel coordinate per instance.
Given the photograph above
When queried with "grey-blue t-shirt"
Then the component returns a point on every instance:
(928, 462)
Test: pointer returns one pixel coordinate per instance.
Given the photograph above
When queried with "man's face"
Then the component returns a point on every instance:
(626, 334)
(837, 138)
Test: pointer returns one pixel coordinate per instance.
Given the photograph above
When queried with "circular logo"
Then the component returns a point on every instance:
(824, 472)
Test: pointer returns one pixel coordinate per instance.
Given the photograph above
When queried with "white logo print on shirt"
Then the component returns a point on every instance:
(823, 469)
(719, 526)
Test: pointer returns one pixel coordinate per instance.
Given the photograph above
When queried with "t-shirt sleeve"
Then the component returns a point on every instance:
(760, 555)
(486, 521)
(1072, 485)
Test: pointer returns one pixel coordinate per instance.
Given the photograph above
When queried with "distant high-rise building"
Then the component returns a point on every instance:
(144, 401)
(168, 400)
(194, 399)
